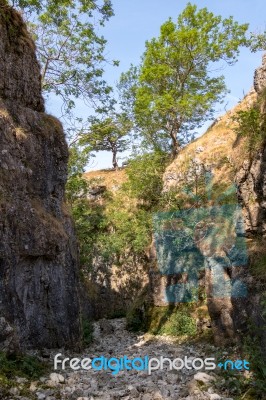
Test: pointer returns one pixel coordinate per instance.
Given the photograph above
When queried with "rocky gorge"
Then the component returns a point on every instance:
(42, 299)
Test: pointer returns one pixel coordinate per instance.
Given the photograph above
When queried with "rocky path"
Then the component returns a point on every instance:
(112, 340)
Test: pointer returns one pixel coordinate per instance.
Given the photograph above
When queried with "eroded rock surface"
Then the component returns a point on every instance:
(251, 178)
(38, 253)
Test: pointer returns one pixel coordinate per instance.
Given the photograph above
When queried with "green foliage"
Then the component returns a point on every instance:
(172, 91)
(127, 231)
(122, 225)
(87, 332)
(114, 228)
(179, 324)
(108, 134)
(171, 320)
(254, 351)
(77, 186)
(55, 9)
(257, 41)
(89, 222)
(251, 124)
(21, 365)
(87, 218)
(69, 48)
(145, 174)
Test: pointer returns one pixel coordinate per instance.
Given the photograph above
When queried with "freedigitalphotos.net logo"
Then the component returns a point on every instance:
(115, 365)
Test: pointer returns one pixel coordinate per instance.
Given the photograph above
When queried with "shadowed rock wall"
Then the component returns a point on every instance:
(39, 302)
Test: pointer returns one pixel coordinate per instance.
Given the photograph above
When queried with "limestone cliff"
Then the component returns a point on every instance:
(251, 177)
(39, 304)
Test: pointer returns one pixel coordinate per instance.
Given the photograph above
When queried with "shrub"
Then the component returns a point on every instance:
(12, 365)
(172, 320)
(87, 331)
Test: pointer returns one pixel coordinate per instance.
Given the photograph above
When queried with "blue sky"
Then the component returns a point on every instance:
(139, 20)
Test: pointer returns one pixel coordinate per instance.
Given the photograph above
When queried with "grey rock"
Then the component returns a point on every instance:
(83, 398)
(204, 378)
(106, 327)
(147, 396)
(14, 391)
(38, 251)
(40, 396)
(260, 76)
(215, 396)
(57, 378)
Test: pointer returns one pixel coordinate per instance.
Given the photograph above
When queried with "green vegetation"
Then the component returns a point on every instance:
(173, 321)
(251, 125)
(120, 225)
(108, 134)
(257, 41)
(243, 386)
(145, 173)
(13, 366)
(69, 48)
(87, 219)
(87, 332)
(172, 92)
(20, 365)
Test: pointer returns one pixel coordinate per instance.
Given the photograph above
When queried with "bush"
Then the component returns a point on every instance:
(251, 125)
(87, 332)
(145, 174)
(172, 320)
(21, 365)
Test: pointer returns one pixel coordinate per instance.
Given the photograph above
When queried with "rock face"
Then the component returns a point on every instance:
(251, 178)
(260, 77)
(217, 171)
(251, 184)
(39, 304)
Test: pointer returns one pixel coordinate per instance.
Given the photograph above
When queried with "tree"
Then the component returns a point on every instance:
(108, 134)
(174, 89)
(89, 218)
(257, 41)
(70, 51)
(77, 185)
(145, 178)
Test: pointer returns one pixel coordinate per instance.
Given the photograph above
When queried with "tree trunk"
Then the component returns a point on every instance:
(175, 145)
(114, 161)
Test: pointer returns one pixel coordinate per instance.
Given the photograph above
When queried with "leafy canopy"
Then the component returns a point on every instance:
(257, 41)
(69, 48)
(108, 134)
(174, 90)
(144, 173)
